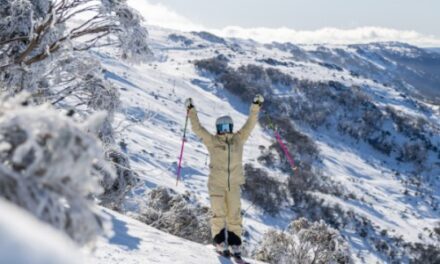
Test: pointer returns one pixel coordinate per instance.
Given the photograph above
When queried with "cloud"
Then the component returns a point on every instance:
(160, 15)
(329, 35)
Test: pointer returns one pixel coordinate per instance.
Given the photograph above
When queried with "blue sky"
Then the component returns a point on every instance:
(420, 15)
(302, 21)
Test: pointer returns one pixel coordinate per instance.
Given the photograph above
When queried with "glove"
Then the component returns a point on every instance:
(258, 99)
(188, 103)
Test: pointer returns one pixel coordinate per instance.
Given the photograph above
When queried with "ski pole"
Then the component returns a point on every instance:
(179, 167)
(282, 145)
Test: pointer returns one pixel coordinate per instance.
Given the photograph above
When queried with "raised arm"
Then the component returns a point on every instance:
(252, 120)
(197, 128)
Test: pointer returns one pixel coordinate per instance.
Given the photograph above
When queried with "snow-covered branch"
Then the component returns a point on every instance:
(33, 34)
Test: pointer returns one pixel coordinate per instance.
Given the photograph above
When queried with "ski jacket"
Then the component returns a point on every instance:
(226, 150)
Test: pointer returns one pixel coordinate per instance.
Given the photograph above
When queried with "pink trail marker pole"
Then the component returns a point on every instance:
(282, 145)
(179, 167)
(286, 151)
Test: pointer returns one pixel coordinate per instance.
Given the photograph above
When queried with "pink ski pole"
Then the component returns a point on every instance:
(179, 167)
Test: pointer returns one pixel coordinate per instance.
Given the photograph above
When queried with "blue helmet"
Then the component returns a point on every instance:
(224, 124)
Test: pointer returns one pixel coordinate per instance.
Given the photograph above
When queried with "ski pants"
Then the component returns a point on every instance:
(226, 209)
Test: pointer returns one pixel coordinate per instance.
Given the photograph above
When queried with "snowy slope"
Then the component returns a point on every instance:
(149, 129)
(155, 116)
(134, 242)
(24, 240)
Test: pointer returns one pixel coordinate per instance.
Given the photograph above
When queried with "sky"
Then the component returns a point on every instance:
(302, 21)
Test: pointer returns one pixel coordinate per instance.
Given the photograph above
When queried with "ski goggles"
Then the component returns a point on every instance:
(224, 128)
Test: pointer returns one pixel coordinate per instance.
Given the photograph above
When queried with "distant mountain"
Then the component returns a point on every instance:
(434, 49)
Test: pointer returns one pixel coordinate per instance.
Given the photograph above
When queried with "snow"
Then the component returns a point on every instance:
(26, 240)
(150, 124)
(153, 117)
(134, 242)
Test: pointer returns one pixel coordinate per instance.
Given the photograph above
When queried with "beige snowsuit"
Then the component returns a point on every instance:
(226, 171)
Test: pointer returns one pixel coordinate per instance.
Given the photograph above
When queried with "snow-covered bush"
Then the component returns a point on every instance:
(209, 37)
(405, 123)
(217, 65)
(51, 167)
(176, 214)
(279, 78)
(414, 152)
(116, 189)
(180, 39)
(304, 179)
(263, 190)
(304, 243)
(437, 231)
(429, 254)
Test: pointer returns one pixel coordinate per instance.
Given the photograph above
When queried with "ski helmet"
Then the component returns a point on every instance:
(224, 124)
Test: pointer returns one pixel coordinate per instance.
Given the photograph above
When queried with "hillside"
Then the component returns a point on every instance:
(368, 105)
(343, 165)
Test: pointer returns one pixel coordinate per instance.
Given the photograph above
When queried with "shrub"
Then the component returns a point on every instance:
(278, 77)
(175, 214)
(263, 190)
(428, 254)
(304, 242)
(414, 152)
(302, 181)
(236, 85)
(217, 65)
(406, 124)
(116, 189)
(50, 167)
(179, 38)
(209, 37)
(437, 231)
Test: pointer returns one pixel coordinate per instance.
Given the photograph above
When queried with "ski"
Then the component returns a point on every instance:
(239, 260)
(225, 253)
(234, 259)
(225, 256)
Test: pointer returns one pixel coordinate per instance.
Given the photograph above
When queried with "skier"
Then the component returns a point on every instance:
(226, 174)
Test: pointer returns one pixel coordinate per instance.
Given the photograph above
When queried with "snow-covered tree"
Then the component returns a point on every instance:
(42, 44)
(304, 242)
(52, 166)
(46, 50)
